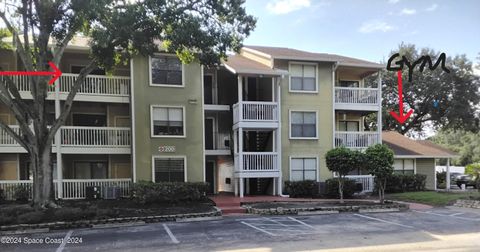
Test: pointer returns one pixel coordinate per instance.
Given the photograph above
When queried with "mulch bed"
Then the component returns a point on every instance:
(77, 210)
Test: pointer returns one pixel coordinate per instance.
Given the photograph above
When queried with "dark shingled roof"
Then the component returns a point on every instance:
(404, 146)
(294, 54)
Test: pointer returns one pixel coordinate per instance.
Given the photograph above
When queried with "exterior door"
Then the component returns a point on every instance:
(210, 176)
(208, 89)
(209, 138)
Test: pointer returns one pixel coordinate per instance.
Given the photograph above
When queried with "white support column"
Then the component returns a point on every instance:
(379, 112)
(240, 159)
(240, 88)
(278, 136)
(235, 184)
(447, 179)
(58, 145)
(241, 187)
(334, 69)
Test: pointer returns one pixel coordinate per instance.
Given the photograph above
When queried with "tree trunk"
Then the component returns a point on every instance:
(340, 189)
(43, 195)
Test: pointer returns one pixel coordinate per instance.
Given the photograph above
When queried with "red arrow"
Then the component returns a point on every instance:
(56, 73)
(400, 117)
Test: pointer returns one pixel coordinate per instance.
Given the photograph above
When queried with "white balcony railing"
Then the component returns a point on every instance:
(256, 161)
(255, 111)
(6, 139)
(349, 95)
(367, 181)
(354, 139)
(95, 136)
(72, 188)
(93, 85)
(77, 136)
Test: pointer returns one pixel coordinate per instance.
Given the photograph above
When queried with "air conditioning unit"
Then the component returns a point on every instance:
(92, 192)
(111, 192)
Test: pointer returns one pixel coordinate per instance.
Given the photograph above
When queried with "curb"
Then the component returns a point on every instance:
(195, 219)
(318, 210)
(104, 223)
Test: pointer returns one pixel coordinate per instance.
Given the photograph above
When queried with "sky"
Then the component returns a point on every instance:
(370, 29)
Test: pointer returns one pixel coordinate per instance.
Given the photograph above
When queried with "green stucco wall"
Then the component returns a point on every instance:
(320, 102)
(426, 166)
(190, 97)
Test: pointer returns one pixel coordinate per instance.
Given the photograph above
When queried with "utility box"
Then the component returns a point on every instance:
(112, 192)
(92, 192)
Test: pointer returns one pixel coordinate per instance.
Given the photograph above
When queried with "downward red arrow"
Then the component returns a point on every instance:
(56, 73)
(400, 117)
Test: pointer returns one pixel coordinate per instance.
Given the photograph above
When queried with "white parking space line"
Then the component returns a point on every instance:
(301, 222)
(64, 242)
(380, 220)
(455, 214)
(446, 215)
(259, 229)
(172, 237)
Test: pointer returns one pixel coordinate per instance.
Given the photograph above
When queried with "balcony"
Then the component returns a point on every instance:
(356, 140)
(98, 88)
(352, 98)
(256, 164)
(255, 114)
(75, 139)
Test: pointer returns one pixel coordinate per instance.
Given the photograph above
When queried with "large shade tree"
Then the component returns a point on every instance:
(439, 99)
(195, 30)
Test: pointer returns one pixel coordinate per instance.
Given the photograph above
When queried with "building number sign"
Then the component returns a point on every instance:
(166, 148)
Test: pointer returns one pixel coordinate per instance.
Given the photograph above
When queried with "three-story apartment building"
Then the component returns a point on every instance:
(267, 115)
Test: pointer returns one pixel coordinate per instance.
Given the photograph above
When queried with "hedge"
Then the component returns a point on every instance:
(331, 188)
(307, 188)
(405, 183)
(149, 192)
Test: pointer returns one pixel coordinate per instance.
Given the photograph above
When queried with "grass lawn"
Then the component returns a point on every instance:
(432, 198)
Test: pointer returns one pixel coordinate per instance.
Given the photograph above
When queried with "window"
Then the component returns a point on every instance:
(90, 170)
(344, 83)
(303, 78)
(348, 126)
(404, 166)
(169, 169)
(96, 120)
(167, 121)
(166, 70)
(303, 124)
(303, 169)
(77, 69)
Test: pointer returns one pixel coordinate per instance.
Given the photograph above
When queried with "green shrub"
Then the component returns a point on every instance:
(149, 192)
(307, 188)
(2, 196)
(405, 183)
(22, 193)
(6, 220)
(31, 218)
(331, 188)
(441, 177)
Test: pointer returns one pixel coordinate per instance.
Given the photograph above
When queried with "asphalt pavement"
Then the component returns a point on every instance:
(447, 229)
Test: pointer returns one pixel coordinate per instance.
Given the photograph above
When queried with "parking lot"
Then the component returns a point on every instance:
(433, 229)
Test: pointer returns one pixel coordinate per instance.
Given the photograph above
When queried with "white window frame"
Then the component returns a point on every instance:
(166, 157)
(403, 165)
(317, 172)
(290, 124)
(168, 136)
(163, 84)
(290, 77)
